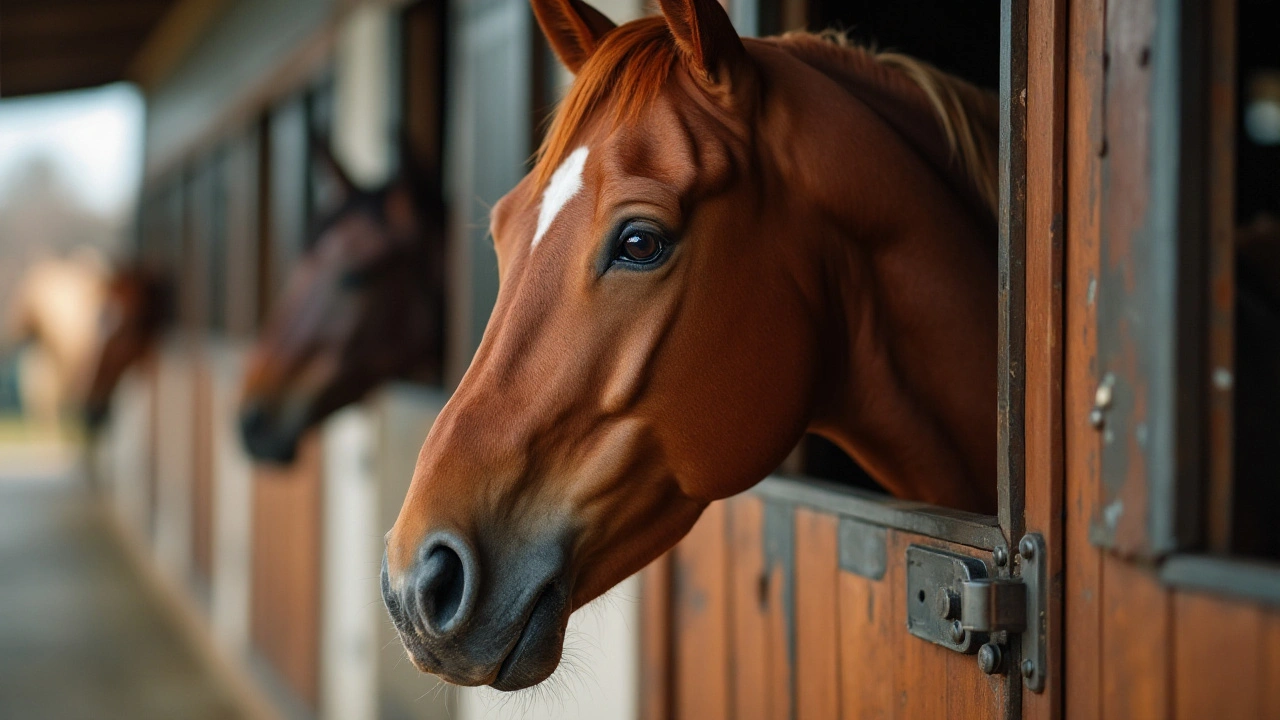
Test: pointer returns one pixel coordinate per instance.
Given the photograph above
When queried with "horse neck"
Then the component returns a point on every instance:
(908, 264)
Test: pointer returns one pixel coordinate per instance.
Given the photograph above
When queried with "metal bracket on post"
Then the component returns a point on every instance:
(1031, 564)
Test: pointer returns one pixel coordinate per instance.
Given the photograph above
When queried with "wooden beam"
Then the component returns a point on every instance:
(172, 39)
(89, 19)
(42, 75)
(115, 45)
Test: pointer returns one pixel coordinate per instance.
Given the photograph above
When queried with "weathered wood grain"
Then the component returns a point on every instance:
(817, 619)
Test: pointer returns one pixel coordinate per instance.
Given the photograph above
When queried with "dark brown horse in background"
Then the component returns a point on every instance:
(135, 310)
(363, 306)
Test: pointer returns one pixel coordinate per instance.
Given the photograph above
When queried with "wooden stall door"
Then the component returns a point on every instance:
(285, 581)
(775, 609)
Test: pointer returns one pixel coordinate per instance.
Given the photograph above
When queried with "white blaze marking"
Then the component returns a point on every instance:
(565, 182)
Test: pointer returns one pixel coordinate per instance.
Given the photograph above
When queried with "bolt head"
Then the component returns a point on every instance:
(1102, 396)
(947, 604)
(957, 632)
(1096, 418)
(1028, 668)
(1027, 548)
(990, 657)
(1000, 555)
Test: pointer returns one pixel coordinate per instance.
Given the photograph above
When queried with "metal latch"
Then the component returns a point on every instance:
(953, 601)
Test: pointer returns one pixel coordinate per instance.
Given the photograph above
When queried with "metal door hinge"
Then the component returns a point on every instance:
(953, 601)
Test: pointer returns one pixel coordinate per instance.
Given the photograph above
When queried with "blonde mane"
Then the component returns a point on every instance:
(967, 115)
(632, 64)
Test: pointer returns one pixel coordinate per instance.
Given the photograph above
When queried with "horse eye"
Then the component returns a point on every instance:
(639, 246)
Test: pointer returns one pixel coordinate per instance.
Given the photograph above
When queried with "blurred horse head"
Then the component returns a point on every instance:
(364, 305)
(135, 307)
(724, 243)
(55, 310)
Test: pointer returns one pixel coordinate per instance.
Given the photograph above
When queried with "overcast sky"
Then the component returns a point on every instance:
(93, 137)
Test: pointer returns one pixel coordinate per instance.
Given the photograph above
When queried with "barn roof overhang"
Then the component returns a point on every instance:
(54, 45)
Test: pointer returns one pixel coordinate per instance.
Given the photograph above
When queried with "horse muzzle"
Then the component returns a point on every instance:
(498, 622)
(266, 437)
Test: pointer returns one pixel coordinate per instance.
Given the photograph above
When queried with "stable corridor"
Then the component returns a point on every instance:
(80, 636)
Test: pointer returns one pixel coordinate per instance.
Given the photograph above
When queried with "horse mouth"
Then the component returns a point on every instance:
(536, 653)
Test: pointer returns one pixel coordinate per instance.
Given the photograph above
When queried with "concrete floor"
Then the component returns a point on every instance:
(80, 637)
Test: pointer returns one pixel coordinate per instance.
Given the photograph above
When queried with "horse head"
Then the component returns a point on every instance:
(722, 245)
(135, 307)
(364, 305)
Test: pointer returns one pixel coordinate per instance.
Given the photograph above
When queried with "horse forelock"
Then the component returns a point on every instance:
(629, 67)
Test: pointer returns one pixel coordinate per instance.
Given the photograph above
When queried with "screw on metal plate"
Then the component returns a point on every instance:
(990, 658)
(957, 632)
(1027, 548)
(1000, 555)
(1034, 574)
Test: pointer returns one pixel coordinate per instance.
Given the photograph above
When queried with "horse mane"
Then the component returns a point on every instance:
(967, 115)
(633, 61)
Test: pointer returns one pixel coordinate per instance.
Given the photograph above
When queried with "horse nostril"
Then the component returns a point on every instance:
(442, 582)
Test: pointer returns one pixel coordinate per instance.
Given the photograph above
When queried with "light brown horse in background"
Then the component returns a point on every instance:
(136, 306)
(55, 312)
(364, 305)
(725, 243)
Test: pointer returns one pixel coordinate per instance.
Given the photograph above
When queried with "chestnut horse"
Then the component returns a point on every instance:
(135, 308)
(724, 243)
(364, 305)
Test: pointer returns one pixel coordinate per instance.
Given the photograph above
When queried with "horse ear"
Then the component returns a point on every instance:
(573, 28)
(706, 37)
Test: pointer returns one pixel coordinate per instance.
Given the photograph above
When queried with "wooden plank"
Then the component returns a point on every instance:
(202, 476)
(973, 695)
(423, 85)
(780, 555)
(1136, 643)
(1151, 281)
(972, 529)
(286, 569)
(243, 217)
(701, 619)
(750, 609)
(817, 616)
(1217, 646)
(1011, 358)
(289, 151)
(1085, 143)
(1269, 675)
(656, 651)
(920, 666)
(871, 633)
(1043, 410)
